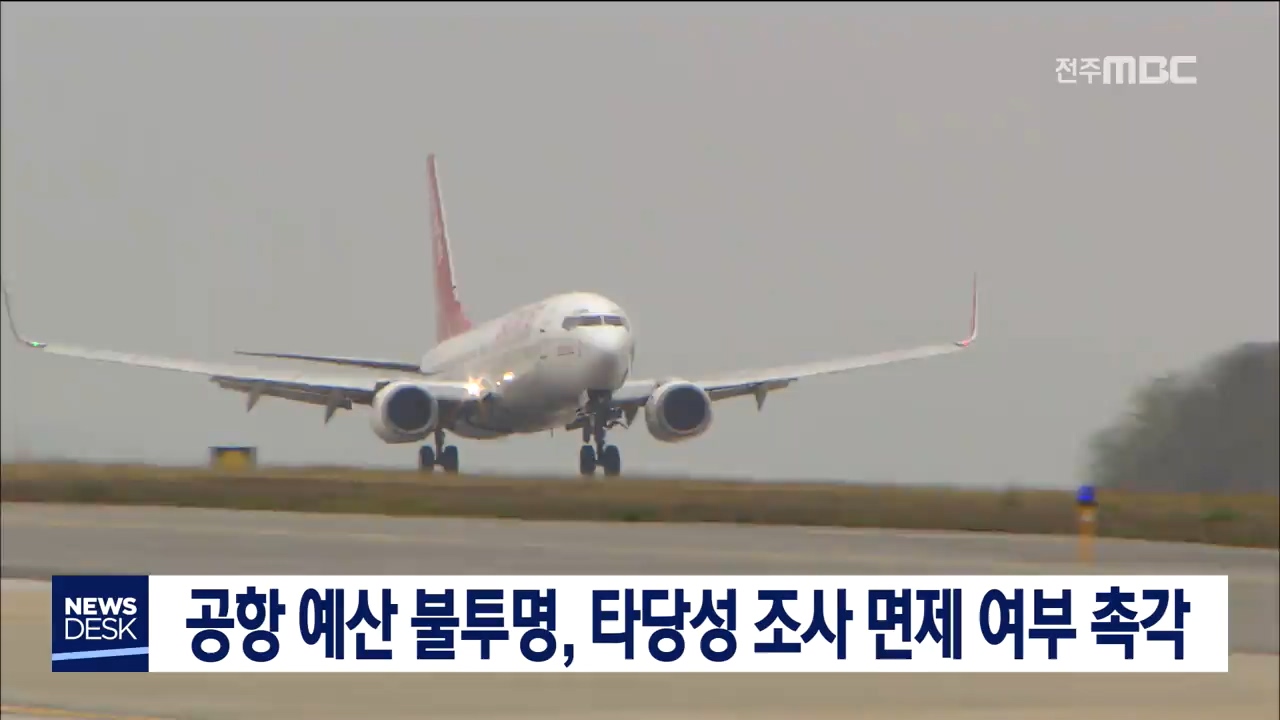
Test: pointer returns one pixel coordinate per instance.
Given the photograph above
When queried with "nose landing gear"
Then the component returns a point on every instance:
(595, 451)
(607, 456)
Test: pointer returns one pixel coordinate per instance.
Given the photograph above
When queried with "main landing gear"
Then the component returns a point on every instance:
(595, 425)
(446, 456)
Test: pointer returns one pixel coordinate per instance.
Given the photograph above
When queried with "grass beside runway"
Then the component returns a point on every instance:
(1237, 520)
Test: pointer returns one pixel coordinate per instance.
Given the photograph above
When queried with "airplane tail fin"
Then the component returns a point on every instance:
(451, 319)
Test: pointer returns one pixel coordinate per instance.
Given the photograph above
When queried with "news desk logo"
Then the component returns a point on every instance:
(1128, 70)
(100, 623)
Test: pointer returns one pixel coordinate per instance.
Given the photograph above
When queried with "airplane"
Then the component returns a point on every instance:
(561, 362)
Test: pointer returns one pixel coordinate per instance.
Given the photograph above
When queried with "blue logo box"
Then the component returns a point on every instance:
(100, 623)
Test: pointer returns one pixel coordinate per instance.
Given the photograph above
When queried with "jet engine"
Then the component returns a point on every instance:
(677, 410)
(404, 412)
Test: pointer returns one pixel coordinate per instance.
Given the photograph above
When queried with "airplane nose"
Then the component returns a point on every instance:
(608, 352)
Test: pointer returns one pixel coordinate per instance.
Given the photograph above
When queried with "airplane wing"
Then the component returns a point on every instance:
(333, 391)
(760, 382)
(395, 365)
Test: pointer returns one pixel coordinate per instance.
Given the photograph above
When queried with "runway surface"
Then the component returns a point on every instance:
(38, 540)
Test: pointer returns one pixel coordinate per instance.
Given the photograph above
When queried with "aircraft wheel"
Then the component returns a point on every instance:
(426, 458)
(587, 460)
(611, 459)
(449, 459)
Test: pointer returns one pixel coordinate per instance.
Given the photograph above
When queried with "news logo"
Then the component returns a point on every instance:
(100, 623)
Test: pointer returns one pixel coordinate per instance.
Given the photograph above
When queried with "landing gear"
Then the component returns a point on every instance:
(449, 459)
(446, 456)
(611, 459)
(608, 458)
(594, 427)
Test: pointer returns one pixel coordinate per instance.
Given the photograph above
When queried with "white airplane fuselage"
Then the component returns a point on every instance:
(538, 362)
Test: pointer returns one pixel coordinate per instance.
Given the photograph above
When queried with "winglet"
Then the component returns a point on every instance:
(13, 325)
(973, 318)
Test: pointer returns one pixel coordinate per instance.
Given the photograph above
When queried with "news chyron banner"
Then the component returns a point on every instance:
(637, 624)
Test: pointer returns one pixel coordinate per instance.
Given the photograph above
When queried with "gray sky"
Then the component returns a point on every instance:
(755, 187)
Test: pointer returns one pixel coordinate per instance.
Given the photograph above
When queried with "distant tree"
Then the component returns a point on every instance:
(1213, 430)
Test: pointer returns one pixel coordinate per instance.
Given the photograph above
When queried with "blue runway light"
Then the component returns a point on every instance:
(1085, 496)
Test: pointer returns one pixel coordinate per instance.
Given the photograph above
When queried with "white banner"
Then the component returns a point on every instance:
(630, 624)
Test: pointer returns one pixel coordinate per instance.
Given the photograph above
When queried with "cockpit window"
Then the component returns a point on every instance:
(574, 321)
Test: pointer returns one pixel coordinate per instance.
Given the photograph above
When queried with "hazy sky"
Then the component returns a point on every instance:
(755, 186)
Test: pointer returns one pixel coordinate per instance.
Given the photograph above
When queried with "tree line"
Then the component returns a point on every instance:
(1215, 428)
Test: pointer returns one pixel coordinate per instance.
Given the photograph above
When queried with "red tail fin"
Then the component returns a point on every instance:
(450, 318)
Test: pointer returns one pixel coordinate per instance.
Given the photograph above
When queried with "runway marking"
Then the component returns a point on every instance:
(1067, 566)
(920, 534)
(48, 712)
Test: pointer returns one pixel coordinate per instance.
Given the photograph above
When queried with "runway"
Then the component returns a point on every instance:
(38, 540)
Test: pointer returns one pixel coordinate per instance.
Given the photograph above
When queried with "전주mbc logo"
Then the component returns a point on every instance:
(100, 623)
(1128, 70)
